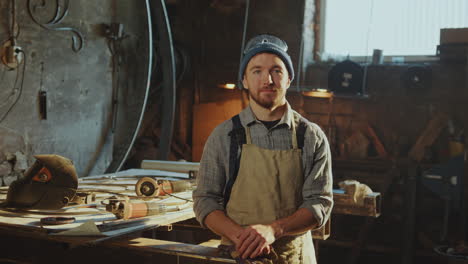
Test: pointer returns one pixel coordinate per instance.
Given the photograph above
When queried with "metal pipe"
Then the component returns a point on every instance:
(169, 93)
(148, 81)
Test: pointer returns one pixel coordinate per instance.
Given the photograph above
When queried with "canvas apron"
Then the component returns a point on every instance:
(269, 187)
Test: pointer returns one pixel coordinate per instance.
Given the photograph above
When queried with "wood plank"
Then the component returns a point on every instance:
(428, 136)
(379, 147)
(173, 248)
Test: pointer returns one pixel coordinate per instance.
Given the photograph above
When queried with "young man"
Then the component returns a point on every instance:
(281, 187)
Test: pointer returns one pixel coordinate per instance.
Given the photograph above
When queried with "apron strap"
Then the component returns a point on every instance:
(237, 135)
(293, 135)
(247, 135)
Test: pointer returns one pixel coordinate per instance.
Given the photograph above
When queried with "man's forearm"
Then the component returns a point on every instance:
(301, 221)
(219, 223)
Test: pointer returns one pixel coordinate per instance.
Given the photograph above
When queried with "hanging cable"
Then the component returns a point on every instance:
(20, 90)
(175, 196)
(13, 34)
(13, 91)
(3, 75)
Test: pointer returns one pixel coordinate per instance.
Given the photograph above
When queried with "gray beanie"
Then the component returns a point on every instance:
(265, 44)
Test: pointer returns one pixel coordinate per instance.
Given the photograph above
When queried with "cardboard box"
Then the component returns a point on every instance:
(453, 35)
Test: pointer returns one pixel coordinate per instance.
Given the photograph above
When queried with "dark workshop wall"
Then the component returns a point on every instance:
(397, 114)
(208, 34)
(78, 85)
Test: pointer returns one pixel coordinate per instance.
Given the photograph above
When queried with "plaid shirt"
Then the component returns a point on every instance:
(213, 175)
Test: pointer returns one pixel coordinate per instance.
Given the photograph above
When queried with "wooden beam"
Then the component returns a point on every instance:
(428, 136)
(173, 248)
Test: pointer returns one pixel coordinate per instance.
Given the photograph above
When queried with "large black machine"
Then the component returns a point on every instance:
(446, 180)
(50, 183)
(347, 78)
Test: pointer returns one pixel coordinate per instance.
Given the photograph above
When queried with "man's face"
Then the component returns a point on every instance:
(267, 80)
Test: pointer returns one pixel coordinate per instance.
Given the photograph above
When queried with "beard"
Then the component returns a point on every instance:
(265, 101)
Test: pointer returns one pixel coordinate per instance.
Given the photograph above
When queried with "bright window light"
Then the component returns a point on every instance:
(398, 27)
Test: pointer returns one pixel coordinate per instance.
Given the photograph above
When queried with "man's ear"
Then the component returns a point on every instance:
(244, 83)
(289, 82)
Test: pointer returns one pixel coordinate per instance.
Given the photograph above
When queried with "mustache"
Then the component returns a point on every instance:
(268, 89)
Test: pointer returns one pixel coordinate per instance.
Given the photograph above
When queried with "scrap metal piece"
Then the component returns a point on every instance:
(83, 198)
(174, 166)
(57, 220)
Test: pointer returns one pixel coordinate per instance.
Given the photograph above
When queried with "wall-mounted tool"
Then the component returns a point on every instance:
(12, 55)
(42, 97)
(151, 187)
(115, 31)
(42, 100)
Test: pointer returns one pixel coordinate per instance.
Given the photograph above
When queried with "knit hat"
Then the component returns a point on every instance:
(266, 44)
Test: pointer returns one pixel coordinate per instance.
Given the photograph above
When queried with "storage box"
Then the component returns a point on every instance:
(453, 35)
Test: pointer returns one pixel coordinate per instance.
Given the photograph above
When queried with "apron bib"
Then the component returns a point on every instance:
(269, 187)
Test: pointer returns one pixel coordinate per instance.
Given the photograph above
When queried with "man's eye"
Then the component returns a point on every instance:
(256, 72)
(278, 71)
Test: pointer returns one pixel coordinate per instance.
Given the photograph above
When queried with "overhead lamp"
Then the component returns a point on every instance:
(229, 86)
(319, 93)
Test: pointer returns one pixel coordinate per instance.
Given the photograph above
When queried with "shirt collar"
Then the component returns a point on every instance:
(248, 117)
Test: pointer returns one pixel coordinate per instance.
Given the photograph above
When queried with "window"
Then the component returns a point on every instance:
(398, 27)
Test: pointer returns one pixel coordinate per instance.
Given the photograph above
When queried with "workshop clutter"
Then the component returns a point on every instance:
(14, 156)
(356, 190)
(51, 183)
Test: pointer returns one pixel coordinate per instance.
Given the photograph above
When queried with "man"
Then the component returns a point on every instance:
(281, 190)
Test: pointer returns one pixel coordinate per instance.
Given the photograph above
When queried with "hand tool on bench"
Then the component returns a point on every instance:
(127, 209)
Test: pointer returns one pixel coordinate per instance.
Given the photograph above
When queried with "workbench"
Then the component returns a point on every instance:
(101, 237)
(24, 239)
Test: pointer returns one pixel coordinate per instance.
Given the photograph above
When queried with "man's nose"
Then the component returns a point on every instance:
(268, 79)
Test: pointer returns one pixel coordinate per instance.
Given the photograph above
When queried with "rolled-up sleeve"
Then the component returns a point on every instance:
(211, 179)
(318, 181)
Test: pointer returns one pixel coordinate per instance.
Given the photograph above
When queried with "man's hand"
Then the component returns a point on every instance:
(255, 240)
